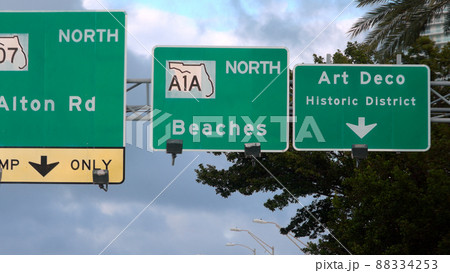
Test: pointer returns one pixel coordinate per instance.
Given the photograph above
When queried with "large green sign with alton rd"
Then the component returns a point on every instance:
(383, 106)
(62, 96)
(218, 99)
(62, 78)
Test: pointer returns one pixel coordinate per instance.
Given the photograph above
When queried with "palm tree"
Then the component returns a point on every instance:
(395, 25)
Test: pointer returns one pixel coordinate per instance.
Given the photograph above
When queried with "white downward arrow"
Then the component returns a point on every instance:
(361, 129)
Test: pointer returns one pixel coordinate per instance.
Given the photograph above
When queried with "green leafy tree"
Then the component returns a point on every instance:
(395, 25)
(392, 204)
(355, 53)
(424, 51)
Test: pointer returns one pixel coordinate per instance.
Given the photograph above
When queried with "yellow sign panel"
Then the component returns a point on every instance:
(60, 165)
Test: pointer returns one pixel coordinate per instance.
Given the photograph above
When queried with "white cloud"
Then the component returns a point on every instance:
(185, 223)
(119, 209)
(163, 228)
(149, 27)
(270, 23)
(93, 4)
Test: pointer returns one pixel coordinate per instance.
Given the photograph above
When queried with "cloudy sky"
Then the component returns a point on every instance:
(187, 218)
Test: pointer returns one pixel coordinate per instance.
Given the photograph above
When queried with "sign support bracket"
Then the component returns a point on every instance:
(252, 150)
(101, 178)
(174, 147)
(359, 152)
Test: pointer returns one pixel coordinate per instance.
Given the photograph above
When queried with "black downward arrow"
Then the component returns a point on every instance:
(43, 168)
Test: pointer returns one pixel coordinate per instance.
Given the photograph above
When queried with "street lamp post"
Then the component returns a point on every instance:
(258, 240)
(290, 235)
(252, 249)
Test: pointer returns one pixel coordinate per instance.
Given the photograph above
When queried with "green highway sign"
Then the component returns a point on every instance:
(219, 98)
(63, 85)
(63, 78)
(383, 106)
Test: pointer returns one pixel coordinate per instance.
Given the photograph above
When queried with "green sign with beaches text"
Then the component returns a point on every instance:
(220, 98)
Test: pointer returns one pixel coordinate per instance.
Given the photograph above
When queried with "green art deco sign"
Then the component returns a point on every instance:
(383, 106)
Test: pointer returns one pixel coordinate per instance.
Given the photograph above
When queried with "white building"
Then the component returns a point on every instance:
(435, 30)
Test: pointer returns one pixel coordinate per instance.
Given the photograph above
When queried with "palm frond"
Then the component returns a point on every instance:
(395, 25)
(363, 3)
(371, 19)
